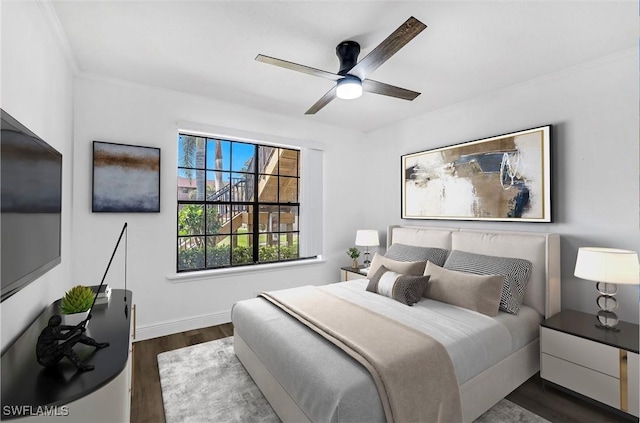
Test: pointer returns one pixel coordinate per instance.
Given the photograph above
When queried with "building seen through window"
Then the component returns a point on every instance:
(238, 203)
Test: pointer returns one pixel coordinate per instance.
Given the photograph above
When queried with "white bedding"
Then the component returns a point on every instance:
(325, 383)
(306, 378)
(474, 341)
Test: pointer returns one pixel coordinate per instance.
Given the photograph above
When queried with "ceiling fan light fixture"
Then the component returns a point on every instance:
(349, 87)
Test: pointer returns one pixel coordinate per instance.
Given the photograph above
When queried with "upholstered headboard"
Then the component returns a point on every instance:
(541, 249)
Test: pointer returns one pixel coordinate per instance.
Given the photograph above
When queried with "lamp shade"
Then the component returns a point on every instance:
(367, 238)
(608, 265)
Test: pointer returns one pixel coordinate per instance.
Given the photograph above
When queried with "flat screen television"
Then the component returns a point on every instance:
(30, 206)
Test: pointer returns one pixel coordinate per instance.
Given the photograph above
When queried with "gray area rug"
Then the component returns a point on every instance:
(207, 383)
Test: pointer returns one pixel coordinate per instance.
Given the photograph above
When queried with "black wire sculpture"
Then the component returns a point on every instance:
(56, 340)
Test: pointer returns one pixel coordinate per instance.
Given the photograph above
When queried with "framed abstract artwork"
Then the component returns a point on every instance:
(126, 178)
(501, 178)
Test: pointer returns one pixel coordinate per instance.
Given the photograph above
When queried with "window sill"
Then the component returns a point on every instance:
(232, 271)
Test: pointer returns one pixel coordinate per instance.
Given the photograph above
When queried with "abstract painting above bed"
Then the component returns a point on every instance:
(503, 178)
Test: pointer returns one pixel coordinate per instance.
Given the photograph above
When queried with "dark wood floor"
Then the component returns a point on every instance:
(558, 406)
(146, 401)
(146, 405)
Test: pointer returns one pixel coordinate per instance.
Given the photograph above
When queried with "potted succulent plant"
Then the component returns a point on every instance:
(75, 304)
(354, 253)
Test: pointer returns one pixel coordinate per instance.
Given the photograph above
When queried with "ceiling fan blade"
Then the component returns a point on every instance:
(324, 100)
(390, 46)
(376, 87)
(297, 67)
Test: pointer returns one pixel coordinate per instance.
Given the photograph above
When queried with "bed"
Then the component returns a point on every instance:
(307, 378)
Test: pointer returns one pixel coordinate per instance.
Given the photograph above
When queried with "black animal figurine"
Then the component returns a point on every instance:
(49, 349)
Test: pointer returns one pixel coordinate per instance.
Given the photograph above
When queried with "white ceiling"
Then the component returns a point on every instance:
(468, 49)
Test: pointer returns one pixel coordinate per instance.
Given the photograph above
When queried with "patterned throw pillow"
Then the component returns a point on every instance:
(402, 252)
(404, 288)
(516, 274)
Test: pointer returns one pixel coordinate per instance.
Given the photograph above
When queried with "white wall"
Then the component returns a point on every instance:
(37, 90)
(594, 112)
(132, 114)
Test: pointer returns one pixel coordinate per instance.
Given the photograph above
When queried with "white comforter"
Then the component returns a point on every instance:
(474, 341)
(329, 386)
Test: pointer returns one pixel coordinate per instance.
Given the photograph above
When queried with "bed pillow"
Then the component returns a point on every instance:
(415, 268)
(402, 252)
(516, 273)
(407, 289)
(479, 293)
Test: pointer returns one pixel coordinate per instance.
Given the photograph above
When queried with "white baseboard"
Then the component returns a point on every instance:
(177, 326)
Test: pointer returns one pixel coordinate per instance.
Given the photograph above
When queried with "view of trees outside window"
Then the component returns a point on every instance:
(237, 203)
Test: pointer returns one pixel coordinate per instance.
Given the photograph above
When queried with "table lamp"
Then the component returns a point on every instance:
(367, 238)
(608, 267)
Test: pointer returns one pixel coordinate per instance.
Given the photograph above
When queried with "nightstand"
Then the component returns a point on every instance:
(595, 363)
(349, 273)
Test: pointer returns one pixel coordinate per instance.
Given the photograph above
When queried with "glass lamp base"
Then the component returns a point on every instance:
(367, 262)
(607, 320)
(607, 302)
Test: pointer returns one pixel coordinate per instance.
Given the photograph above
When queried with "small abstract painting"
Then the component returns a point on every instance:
(502, 178)
(126, 178)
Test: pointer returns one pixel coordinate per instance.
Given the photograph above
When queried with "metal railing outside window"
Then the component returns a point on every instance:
(238, 203)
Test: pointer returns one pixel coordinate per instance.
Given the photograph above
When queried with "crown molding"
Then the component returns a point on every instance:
(53, 22)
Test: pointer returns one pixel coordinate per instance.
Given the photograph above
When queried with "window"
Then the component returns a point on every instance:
(238, 203)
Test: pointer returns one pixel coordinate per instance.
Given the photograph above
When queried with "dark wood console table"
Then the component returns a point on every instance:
(28, 388)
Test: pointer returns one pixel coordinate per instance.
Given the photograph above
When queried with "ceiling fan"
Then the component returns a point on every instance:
(351, 79)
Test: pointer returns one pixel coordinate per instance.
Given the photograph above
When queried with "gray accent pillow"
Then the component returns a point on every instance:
(407, 289)
(415, 268)
(479, 293)
(402, 252)
(516, 273)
